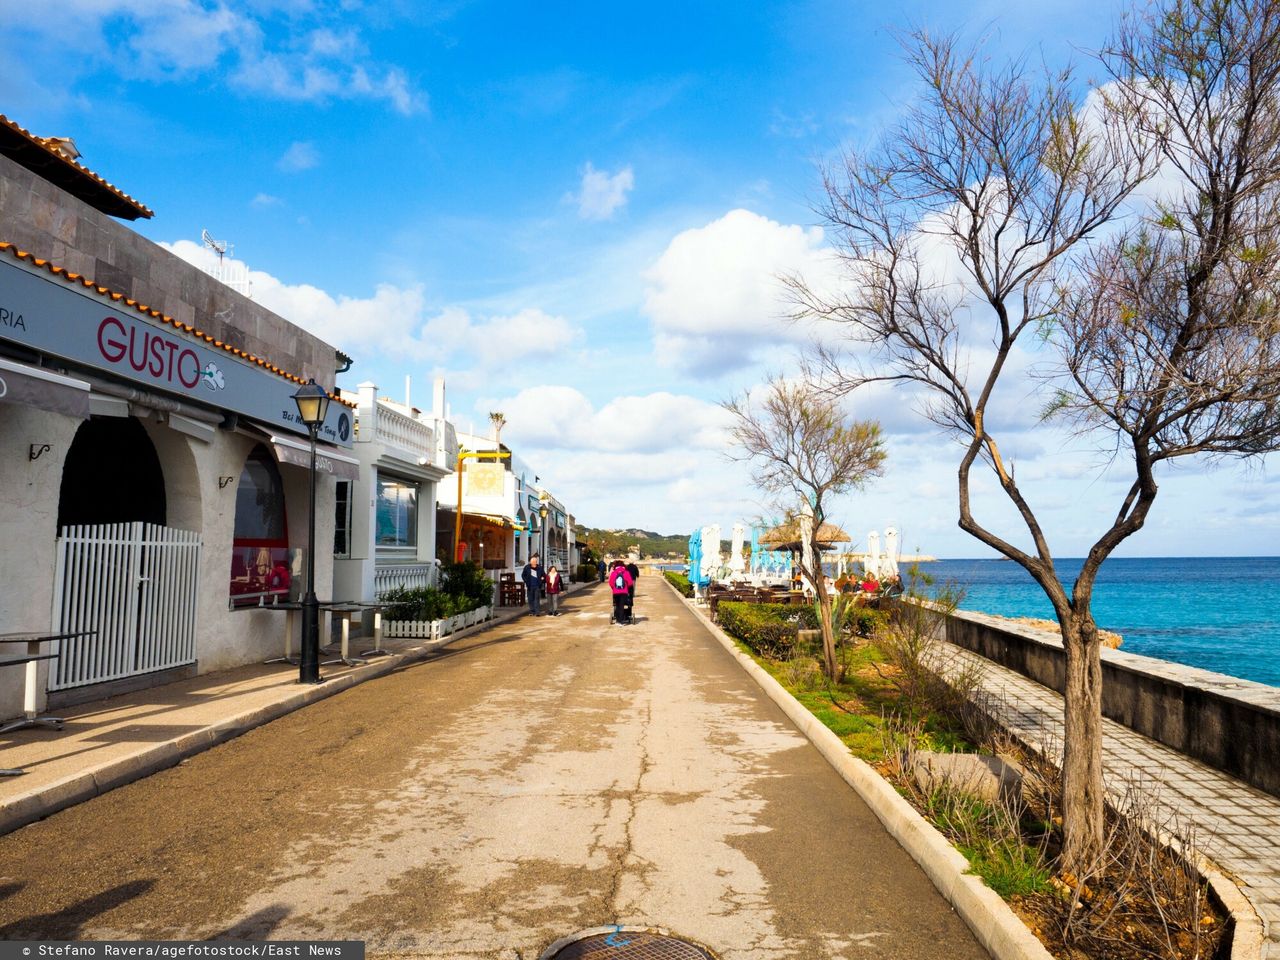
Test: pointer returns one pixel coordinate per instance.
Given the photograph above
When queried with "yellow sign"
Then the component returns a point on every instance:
(485, 479)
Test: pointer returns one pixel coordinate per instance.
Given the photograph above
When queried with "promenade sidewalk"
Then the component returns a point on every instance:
(537, 779)
(1238, 826)
(110, 742)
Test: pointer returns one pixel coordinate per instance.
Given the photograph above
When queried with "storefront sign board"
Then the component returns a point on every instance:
(51, 317)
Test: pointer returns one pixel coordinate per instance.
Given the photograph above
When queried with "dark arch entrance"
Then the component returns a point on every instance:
(112, 475)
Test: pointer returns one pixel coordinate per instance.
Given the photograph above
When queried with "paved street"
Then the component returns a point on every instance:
(536, 779)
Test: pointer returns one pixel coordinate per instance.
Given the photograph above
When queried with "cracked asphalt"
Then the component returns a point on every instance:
(547, 776)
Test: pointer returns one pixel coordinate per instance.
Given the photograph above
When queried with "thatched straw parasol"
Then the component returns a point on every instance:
(787, 536)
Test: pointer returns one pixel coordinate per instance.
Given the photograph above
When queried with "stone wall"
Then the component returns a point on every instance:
(50, 223)
(1230, 724)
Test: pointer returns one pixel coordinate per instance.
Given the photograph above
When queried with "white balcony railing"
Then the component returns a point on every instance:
(399, 430)
(407, 575)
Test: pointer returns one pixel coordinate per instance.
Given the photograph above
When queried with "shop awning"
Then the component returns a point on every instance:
(33, 387)
(497, 519)
(298, 454)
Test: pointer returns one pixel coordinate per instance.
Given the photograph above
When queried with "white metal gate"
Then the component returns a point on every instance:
(136, 585)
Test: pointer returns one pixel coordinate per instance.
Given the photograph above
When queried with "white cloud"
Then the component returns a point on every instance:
(264, 200)
(395, 322)
(715, 296)
(639, 460)
(301, 155)
(601, 194)
(289, 51)
(562, 418)
(529, 333)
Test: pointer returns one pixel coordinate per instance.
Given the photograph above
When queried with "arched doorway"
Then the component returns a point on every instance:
(260, 566)
(111, 475)
(128, 581)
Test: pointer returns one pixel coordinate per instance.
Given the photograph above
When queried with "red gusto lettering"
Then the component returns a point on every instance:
(193, 366)
(112, 350)
(148, 352)
(156, 365)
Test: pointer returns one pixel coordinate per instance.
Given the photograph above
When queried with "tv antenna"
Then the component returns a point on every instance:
(220, 247)
(235, 275)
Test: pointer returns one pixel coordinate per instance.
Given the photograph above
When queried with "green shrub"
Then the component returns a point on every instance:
(587, 572)
(767, 628)
(464, 587)
(467, 580)
(418, 603)
(680, 582)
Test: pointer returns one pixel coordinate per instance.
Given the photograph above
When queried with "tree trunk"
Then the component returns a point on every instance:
(1083, 801)
(828, 634)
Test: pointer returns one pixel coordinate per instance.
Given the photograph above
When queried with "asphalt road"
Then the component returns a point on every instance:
(537, 779)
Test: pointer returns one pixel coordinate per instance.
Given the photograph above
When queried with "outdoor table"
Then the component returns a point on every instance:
(290, 607)
(28, 721)
(346, 611)
(377, 608)
(31, 682)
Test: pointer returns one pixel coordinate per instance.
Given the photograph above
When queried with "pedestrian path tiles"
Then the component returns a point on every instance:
(1237, 826)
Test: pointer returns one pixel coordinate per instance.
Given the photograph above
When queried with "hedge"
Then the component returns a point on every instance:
(767, 628)
(770, 628)
(680, 582)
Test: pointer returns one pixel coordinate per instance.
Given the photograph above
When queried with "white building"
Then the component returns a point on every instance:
(503, 501)
(153, 472)
(385, 523)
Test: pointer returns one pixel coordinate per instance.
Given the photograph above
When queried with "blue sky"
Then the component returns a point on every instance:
(576, 213)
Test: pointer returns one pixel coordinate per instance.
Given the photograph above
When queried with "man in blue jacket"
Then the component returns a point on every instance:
(533, 578)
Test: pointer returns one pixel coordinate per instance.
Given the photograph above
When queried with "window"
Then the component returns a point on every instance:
(260, 564)
(342, 519)
(397, 515)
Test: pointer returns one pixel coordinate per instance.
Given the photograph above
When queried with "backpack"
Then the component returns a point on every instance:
(619, 581)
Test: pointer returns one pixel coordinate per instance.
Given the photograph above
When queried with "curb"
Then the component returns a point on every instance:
(24, 808)
(992, 922)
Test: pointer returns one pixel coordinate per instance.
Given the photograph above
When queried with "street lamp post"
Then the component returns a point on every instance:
(313, 405)
(542, 512)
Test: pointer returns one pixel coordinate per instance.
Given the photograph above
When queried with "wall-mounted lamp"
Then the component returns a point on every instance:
(36, 450)
(224, 482)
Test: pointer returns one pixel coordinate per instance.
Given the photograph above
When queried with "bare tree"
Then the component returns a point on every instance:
(1163, 312)
(806, 451)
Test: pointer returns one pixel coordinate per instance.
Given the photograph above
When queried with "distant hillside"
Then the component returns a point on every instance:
(618, 543)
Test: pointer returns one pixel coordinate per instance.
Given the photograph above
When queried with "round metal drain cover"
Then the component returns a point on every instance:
(615, 943)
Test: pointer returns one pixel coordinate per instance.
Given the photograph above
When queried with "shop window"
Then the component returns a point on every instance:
(342, 519)
(260, 565)
(397, 513)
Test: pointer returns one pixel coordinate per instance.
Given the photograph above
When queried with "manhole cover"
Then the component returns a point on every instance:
(623, 944)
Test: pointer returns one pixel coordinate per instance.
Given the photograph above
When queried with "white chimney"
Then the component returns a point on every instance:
(438, 408)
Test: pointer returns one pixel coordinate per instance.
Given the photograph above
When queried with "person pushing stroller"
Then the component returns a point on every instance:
(620, 583)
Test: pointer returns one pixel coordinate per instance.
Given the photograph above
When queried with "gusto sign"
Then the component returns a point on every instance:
(149, 352)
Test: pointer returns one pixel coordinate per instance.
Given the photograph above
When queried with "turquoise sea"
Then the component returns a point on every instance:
(1219, 613)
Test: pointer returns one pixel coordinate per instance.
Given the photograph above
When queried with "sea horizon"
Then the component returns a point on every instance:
(1218, 613)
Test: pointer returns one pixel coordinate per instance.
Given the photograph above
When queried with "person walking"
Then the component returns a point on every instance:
(533, 578)
(634, 570)
(555, 587)
(620, 584)
(602, 569)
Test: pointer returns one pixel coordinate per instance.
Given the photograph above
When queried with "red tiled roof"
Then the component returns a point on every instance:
(39, 156)
(75, 278)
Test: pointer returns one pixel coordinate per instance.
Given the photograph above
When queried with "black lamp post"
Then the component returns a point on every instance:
(542, 511)
(313, 405)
